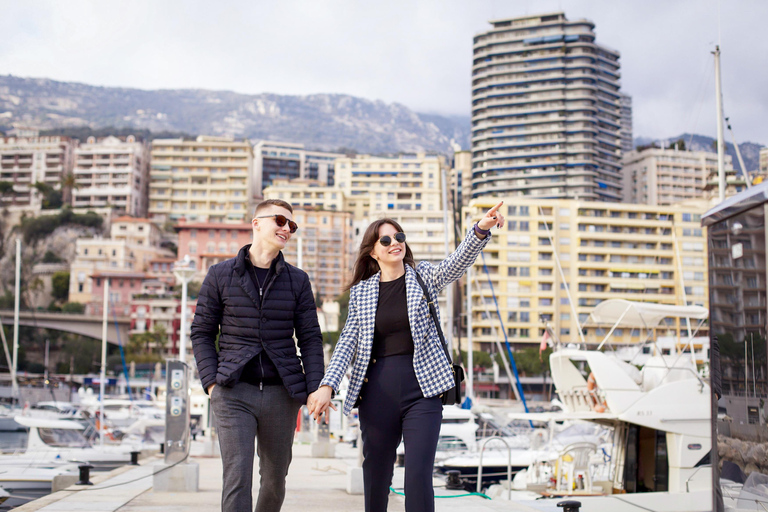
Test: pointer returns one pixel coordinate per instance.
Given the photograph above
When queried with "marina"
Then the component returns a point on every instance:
(606, 313)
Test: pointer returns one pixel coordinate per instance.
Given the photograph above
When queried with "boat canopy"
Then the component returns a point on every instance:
(620, 312)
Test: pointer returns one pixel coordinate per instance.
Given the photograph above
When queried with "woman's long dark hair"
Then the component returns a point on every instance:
(365, 266)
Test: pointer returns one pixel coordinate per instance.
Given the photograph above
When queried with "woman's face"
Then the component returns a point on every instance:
(392, 253)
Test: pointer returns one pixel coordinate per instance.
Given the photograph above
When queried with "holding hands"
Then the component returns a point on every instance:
(492, 218)
(319, 402)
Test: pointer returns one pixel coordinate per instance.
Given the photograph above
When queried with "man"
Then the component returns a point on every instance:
(254, 303)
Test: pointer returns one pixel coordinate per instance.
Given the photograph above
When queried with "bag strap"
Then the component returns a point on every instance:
(433, 314)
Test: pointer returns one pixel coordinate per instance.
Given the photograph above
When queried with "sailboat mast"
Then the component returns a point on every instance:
(720, 136)
(16, 304)
(449, 291)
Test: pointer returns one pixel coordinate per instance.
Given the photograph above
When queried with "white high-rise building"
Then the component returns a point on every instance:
(26, 161)
(546, 112)
(112, 172)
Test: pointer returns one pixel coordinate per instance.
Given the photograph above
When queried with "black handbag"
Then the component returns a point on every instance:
(453, 395)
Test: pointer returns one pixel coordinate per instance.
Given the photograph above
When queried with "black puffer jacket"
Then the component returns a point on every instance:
(229, 300)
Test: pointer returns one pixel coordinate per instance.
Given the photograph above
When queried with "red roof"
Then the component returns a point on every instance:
(211, 225)
(126, 218)
(117, 273)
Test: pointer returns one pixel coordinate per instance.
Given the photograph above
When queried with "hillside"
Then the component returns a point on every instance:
(319, 121)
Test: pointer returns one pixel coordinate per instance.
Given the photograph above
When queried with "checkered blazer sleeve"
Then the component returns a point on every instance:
(345, 347)
(454, 266)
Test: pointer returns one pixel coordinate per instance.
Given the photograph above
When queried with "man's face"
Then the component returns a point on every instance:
(267, 232)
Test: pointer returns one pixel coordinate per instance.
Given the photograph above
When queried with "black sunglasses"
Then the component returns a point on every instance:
(386, 239)
(280, 220)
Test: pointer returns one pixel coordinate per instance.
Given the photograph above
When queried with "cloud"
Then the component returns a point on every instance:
(415, 53)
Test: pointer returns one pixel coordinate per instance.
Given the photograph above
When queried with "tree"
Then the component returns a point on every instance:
(6, 187)
(60, 286)
(52, 198)
(51, 257)
(68, 184)
(73, 307)
(148, 346)
(679, 144)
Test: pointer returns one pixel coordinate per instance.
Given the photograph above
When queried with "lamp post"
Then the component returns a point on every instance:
(184, 271)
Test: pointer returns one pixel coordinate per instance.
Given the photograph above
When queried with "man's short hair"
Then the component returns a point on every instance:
(272, 202)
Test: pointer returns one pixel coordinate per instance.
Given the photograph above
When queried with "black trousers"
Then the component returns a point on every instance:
(392, 408)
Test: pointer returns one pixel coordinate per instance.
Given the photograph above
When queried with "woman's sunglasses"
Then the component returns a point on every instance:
(280, 220)
(386, 240)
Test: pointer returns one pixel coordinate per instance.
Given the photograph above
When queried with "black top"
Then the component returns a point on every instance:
(392, 332)
(260, 370)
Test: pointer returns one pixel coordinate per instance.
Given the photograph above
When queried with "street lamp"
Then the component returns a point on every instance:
(184, 271)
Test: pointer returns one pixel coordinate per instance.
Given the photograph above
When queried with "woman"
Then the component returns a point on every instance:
(400, 369)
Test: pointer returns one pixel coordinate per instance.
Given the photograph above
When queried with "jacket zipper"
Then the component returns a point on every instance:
(261, 382)
(261, 304)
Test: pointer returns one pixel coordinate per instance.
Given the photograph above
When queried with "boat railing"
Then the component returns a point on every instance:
(509, 465)
(579, 398)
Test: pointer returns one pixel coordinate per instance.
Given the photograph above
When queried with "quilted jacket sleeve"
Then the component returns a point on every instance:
(454, 266)
(205, 328)
(310, 339)
(345, 347)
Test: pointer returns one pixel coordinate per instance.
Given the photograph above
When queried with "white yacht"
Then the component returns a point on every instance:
(49, 440)
(658, 458)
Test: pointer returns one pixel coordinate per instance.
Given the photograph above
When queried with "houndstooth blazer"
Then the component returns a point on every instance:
(430, 364)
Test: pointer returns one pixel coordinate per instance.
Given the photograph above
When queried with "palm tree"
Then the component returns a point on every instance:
(68, 184)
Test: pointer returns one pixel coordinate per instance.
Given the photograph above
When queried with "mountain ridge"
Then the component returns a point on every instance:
(322, 121)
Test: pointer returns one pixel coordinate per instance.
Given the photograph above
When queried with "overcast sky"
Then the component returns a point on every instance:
(415, 52)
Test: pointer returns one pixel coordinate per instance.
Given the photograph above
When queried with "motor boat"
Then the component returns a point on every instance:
(47, 439)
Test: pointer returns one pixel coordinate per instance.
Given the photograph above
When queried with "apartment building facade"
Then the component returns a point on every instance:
(156, 308)
(656, 176)
(209, 179)
(131, 247)
(112, 172)
(606, 251)
(461, 178)
(546, 111)
(306, 194)
(288, 161)
(627, 142)
(326, 241)
(25, 161)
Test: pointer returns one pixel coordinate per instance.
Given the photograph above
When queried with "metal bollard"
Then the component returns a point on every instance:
(570, 506)
(85, 470)
(135, 458)
(162, 448)
(453, 480)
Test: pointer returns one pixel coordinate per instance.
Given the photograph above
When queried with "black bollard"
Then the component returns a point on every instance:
(453, 480)
(570, 506)
(162, 448)
(85, 470)
(135, 458)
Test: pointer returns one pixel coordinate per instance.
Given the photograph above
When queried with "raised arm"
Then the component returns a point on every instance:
(454, 266)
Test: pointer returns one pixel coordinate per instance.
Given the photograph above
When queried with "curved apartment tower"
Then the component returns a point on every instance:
(546, 111)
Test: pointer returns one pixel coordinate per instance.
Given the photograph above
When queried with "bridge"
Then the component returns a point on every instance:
(85, 325)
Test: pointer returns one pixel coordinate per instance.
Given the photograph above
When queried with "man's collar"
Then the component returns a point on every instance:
(242, 256)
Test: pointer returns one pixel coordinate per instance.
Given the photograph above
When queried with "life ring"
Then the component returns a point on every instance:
(595, 402)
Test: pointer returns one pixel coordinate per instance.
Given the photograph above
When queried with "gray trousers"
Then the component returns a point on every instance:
(244, 413)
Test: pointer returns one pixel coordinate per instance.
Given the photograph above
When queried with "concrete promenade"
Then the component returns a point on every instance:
(313, 485)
